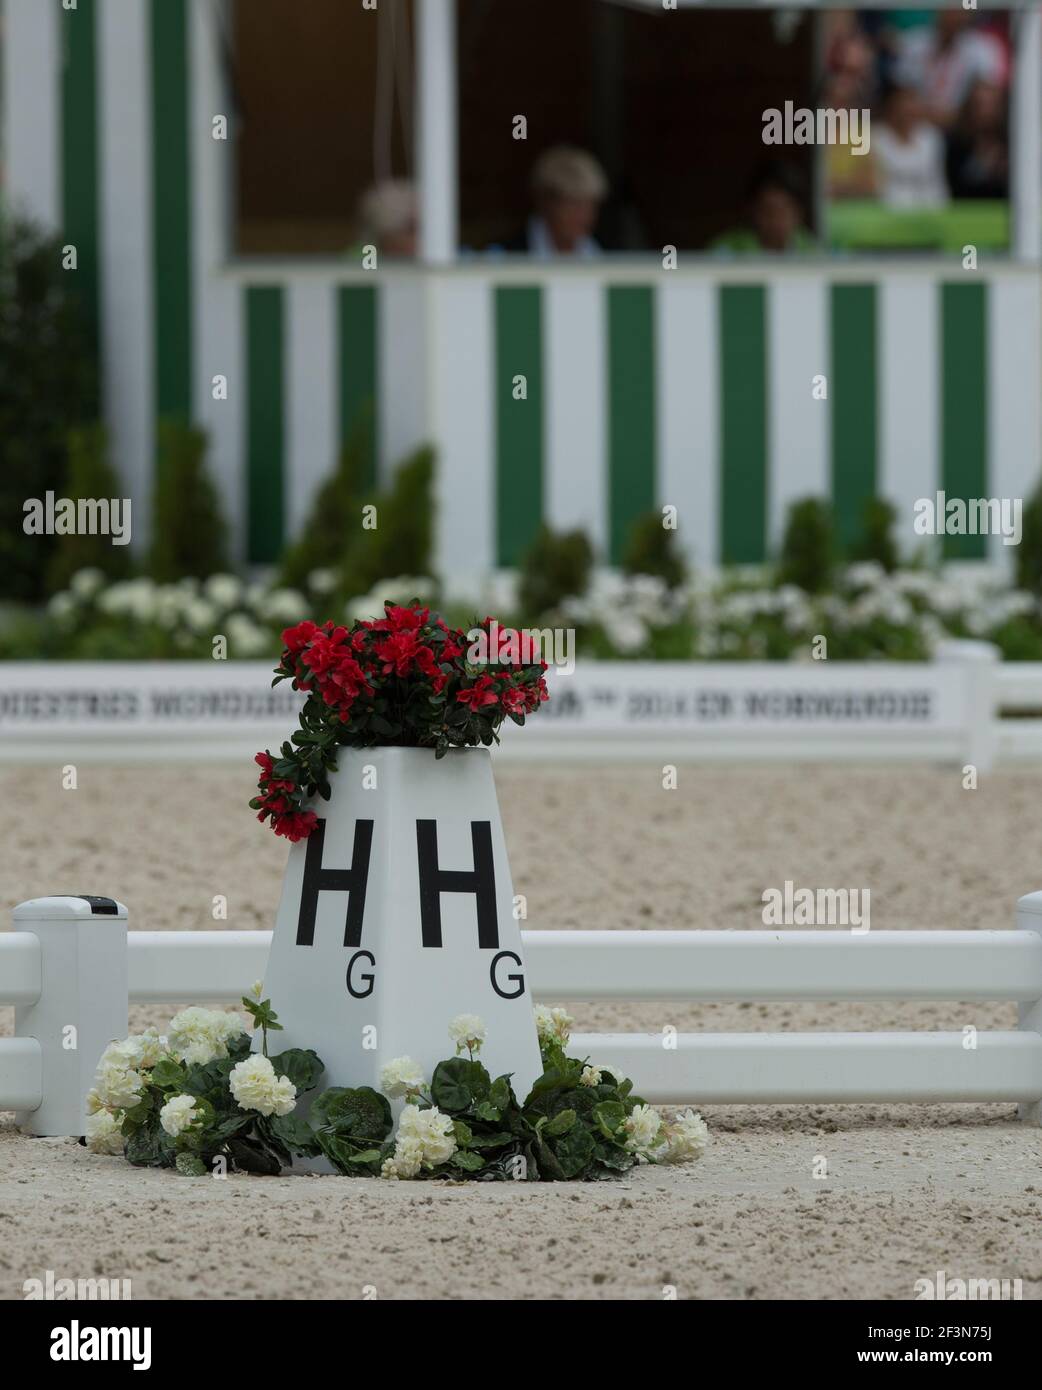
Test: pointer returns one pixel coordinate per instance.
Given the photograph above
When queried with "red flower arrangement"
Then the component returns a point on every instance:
(402, 680)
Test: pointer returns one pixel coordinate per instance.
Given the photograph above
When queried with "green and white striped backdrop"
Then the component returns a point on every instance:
(644, 387)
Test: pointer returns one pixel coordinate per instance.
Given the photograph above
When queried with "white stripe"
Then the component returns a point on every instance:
(1014, 374)
(575, 478)
(218, 315)
(125, 250)
(687, 406)
(909, 461)
(798, 436)
(32, 49)
(311, 395)
(460, 360)
(401, 380)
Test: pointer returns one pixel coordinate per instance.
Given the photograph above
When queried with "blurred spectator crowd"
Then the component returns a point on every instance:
(936, 84)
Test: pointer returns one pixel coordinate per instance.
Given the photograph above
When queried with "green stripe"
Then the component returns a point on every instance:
(853, 407)
(356, 337)
(264, 423)
(170, 206)
(519, 423)
(79, 153)
(964, 405)
(631, 411)
(743, 424)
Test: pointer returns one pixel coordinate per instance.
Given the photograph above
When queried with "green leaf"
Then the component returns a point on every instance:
(495, 1140)
(150, 1147)
(190, 1166)
(294, 1133)
(608, 1116)
(573, 1151)
(485, 1110)
(356, 1112)
(168, 1072)
(458, 1084)
(501, 1094)
(467, 1160)
(561, 1122)
(348, 1158)
(462, 1132)
(303, 1067)
(254, 1156)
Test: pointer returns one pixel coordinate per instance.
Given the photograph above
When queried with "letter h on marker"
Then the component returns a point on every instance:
(481, 881)
(320, 880)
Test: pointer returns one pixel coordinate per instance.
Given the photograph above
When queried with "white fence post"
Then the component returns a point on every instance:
(82, 1005)
(1029, 1013)
(981, 661)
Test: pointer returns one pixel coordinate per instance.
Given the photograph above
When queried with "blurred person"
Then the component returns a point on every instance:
(568, 188)
(388, 218)
(943, 61)
(775, 214)
(909, 153)
(848, 174)
(978, 146)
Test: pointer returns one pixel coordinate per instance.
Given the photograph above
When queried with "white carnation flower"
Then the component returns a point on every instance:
(178, 1114)
(225, 590)
(256, 1087)
(103, 1136)
(553, 1025)
(142, 1050)
(202, 1035)
(322, 581)
(467, 1031)
(686, 1138)
(245, 637)
(400, 1076)
(85, 583)
(425, 1139)
(591, 1076)
(118, 1083)
(642, 1126)
(61, 605)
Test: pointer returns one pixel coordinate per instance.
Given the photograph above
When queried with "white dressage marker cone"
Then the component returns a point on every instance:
(397, 914)
(82, 1005)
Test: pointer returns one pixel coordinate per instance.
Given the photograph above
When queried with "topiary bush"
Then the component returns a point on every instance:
(1029, 551)
(652, 549)
(48, 383)
(188, 531)
(808, 552)
(334, 516)
(555, 567)
(400, 542)
(88, 475)
(877, 534)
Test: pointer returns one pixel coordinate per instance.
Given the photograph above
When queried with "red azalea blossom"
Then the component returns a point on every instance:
(388, 681)
(480, 694)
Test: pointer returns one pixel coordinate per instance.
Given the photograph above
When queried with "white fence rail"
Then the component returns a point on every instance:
(62, 966)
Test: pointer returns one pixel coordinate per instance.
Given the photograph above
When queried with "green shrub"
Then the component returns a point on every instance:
(652, 549)
(400, 542)
(808, 553)
(877, 534)
(48, 383)
(555, 567)
(334, 517)
(89, 475)
(188, 532)
(1029, 551)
